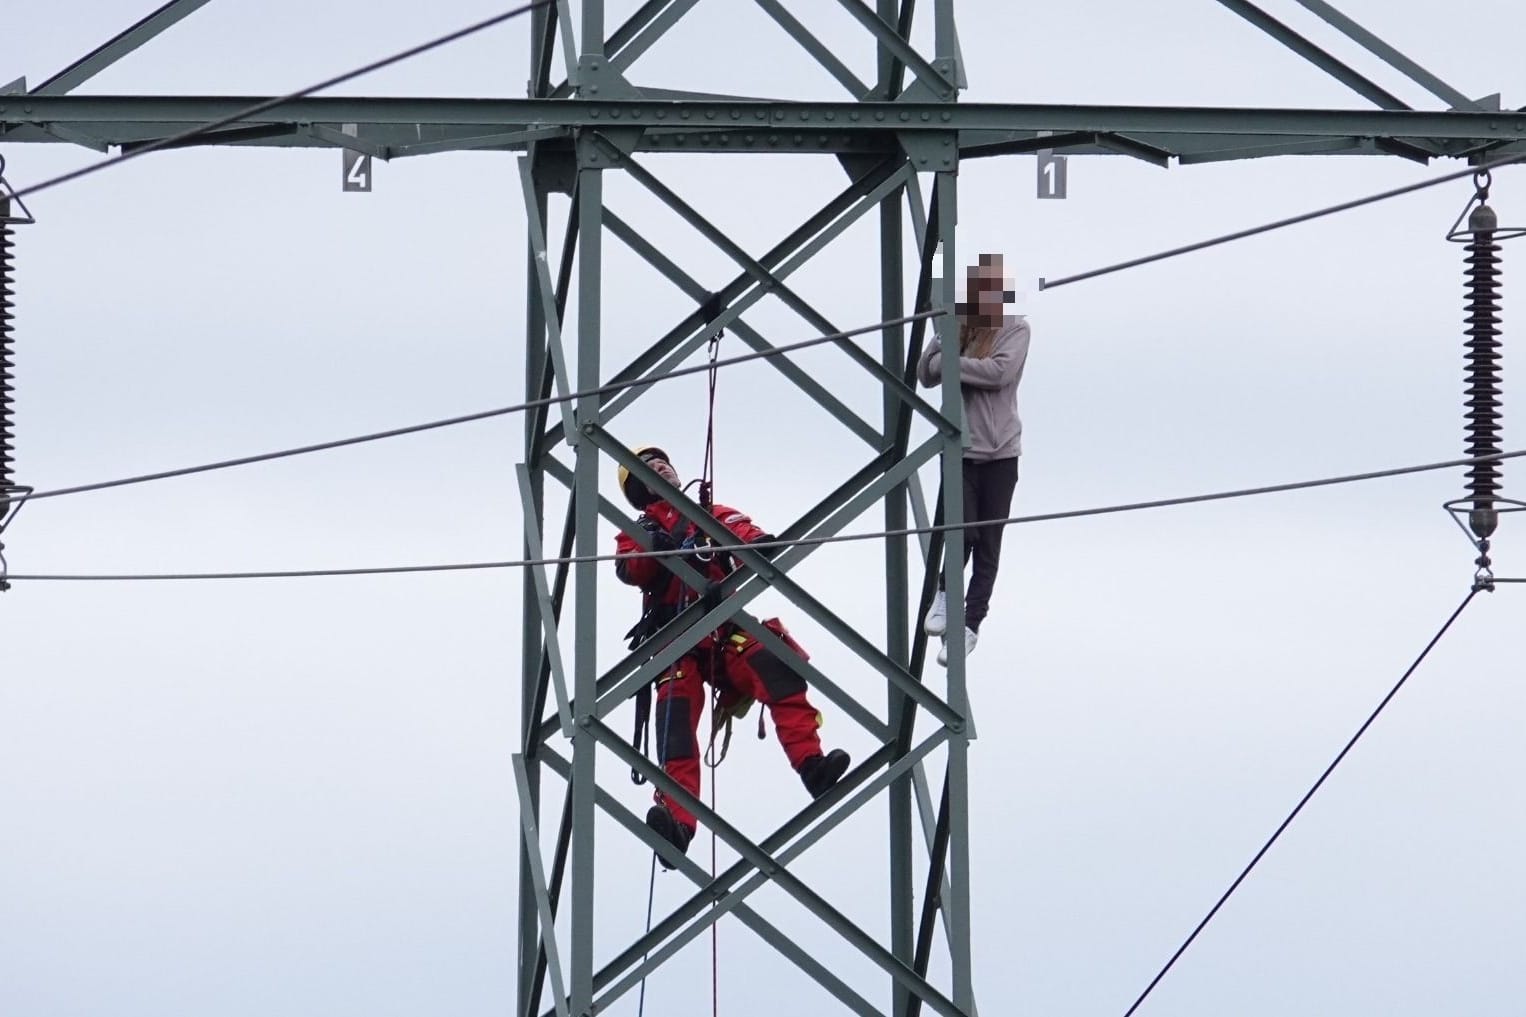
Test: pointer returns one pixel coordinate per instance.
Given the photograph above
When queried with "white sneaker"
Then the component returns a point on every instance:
(970, 638)
(936, 622)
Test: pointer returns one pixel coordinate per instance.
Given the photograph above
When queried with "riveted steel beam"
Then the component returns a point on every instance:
(112, 118)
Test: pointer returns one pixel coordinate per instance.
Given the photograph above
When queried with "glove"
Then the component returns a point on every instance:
(662, 540)
(638, 634)
(710, 599)
(767, 552)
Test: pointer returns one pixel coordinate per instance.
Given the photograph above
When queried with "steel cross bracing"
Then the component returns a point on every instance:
(887, 135)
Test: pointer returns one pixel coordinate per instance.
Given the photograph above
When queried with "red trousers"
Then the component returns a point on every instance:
(739, 667)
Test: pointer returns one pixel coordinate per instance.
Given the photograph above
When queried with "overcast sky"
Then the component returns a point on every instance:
(295, 796)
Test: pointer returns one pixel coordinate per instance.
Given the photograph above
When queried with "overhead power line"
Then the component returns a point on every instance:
(775, 545)
(269, 104)
(468, 418)
(1049, 284)
(1301, 803)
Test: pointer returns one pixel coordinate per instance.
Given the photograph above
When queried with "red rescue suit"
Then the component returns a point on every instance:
(731, 660)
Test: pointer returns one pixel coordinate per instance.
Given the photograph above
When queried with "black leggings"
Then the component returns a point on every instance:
(988, 488)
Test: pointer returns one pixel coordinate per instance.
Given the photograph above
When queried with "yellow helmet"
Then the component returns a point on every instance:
(637, 493)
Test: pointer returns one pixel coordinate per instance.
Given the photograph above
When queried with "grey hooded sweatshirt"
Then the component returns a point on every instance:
(989, 385)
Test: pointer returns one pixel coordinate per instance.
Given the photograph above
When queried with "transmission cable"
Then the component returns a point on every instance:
(1049, 284)
(1302, 802)
(269, 104)
(468, 418)
(840, 538)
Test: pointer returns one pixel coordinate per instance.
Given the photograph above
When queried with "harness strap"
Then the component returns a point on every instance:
(713, 760)
(641, 737)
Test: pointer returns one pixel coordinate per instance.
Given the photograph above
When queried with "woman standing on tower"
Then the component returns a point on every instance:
(993, 347)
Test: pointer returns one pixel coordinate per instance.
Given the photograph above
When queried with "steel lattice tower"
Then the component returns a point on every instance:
(901, 139)
(883, 176)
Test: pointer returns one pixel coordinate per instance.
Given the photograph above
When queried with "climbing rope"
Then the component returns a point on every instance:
(707, 502)
(651, 892)
(706, 482)
(715, 947)
(651, 879)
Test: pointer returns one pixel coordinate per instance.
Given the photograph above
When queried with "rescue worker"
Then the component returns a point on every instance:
(731, 660)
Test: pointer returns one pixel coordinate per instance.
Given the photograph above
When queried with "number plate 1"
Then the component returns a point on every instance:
(1051, 175)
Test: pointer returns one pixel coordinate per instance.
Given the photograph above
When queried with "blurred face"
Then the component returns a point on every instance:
(988, 291)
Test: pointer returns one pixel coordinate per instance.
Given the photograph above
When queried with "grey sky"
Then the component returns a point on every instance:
(295, 797)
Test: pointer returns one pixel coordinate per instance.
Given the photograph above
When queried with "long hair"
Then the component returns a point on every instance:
(976, 341)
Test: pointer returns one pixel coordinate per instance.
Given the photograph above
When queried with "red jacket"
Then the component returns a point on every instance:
(649, 574)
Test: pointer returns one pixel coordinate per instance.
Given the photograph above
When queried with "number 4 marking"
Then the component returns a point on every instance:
(357, 171)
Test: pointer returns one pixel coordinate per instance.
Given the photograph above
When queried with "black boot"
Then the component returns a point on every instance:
(662, 823)
(820, 773)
